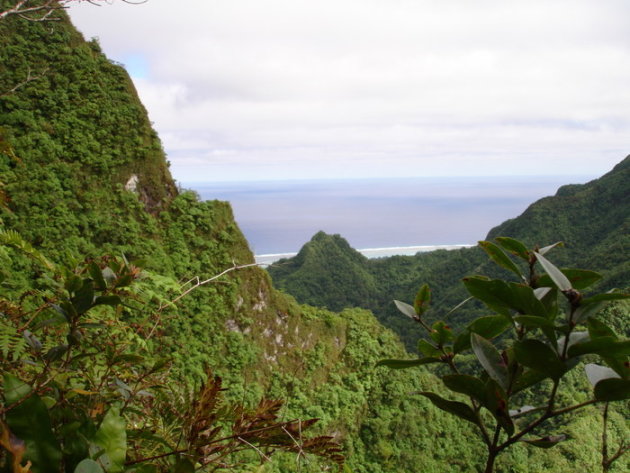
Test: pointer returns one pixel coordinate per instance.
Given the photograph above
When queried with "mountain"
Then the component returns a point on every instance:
(84, 182)
(592, 219)
(83, 175)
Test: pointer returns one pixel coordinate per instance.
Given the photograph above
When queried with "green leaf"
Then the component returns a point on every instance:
(459, 409)
(497, 403)
(513, 246)
(441, 333)
(88, 466)
(596, 373)
(488, 327)
(579, 278)
(494, 293)
(597, 328)
(545, 325)
(490, 359)
(540, 357)
(603, 346)
(546, 249)
(108, 300)
(427, 349)
(97, 276)
(184, 465)
(546, 442)
(607, 296)
(465, 384)
(422, 300)
(527, 379)
(30, 422)
(559, 279)
(84, 297)
(406, 309)
(497, 255)
(525, 301)
(112, 438)
(612, 389)
(402, 364)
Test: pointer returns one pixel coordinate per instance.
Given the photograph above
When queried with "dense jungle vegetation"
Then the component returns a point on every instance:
(110, 364)
(592, 220)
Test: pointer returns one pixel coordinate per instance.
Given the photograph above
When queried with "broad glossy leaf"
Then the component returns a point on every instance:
(597, 328)
(88, 466)
(406, 309)
(603, 346)
(402, 364)
(422, 300)
(497, 255)
(526, 302)
(612, 389)
(465, 384)
(497, 403)
(514, 246)
(112, 438)
(490, 359)
(546, 442)
(579, 278)
(574, 337)
(184, 465)
(596, 373)
(84, 297)
(521, 411)
(546, 249)
(97, 276)
(441, 333)
(607, 296)
(559, 279)
(527, 379)
(427, 349)
(545, 325)
(539, 356)
(459, 409)
(30, 422)
(108, 300)
(488, 327)
(492, 292)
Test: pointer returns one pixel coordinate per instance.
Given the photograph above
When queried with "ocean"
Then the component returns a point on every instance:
(379, 216)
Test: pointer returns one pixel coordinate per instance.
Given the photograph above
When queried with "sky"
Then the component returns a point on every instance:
(243, 90)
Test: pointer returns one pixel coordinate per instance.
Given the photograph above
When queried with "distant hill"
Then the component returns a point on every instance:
(593, 220)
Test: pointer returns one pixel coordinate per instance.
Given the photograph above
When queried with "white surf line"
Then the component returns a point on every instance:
(369, 252)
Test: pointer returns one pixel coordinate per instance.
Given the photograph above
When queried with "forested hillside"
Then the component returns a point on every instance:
(122, 296)
(84, 176)
(592, 220)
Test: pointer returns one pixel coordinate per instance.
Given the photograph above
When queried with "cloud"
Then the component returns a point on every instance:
(293, 88)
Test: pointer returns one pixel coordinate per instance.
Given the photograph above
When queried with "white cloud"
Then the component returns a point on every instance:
(294, 88)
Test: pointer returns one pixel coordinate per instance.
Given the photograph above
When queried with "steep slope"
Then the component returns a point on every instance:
(593, 220)
(327, 272)
(83, 175)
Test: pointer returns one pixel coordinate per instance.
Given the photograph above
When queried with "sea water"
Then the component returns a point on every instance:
(381, 217)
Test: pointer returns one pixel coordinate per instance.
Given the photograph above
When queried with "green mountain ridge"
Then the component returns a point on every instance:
(592, 219)
(73, 142)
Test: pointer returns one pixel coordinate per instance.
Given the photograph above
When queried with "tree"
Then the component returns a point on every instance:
(542, 326)
(84, 390)
(45, 10)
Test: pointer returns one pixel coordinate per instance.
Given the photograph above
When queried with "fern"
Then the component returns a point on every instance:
(13, 239)
(12, 343)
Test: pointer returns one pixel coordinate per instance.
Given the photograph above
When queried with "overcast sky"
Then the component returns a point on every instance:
(262, 89)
